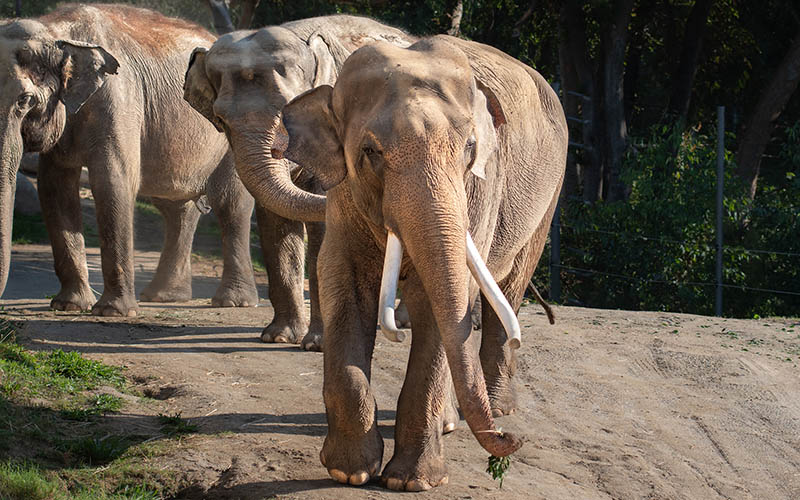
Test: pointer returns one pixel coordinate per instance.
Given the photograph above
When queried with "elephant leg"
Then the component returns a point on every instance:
(498, 360)
(283, 250)
(233, 207)
(418, 461)
(349, 278)
(313, 339)
(173, 279)
(61, 208)
(114, 189)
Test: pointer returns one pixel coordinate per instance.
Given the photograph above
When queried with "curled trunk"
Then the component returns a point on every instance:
(268, 178)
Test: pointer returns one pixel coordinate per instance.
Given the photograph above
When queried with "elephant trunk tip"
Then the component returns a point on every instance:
(499, 443)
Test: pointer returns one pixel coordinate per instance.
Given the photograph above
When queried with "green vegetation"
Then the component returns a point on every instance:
(655, 250)
(175, 426)
(498, 466)
(55, 443)
(29, 229)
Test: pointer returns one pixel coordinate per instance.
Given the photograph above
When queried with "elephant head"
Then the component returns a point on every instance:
(44, 80)
(241, 84)
(409, 131)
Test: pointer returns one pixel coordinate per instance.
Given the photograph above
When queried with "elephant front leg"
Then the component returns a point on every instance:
(353, 448)
(114, 194)
(418, 462)
(283, 249)
(173, 278)
(61, 208)
(233, 206)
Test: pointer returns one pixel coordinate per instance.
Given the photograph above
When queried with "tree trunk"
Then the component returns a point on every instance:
(757, 129)
(221, 16)
(455, 19)
(616, 132)
(248, 11)
(573, 35)
(569, 81)
(683, 77)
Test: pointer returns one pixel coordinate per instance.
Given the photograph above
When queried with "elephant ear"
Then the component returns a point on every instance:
(488, 117)
(84, 69)
(197, 88)
(313, 141)
(326, 66)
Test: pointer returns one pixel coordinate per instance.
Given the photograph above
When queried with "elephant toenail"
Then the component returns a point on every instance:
(394, 484)
(416, 485)
(338, 476)
(449, 428)
(359, 478)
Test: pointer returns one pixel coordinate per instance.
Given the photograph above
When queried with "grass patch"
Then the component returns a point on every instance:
(147, 208)
(54, 440)
(175, 426)
(29, 229)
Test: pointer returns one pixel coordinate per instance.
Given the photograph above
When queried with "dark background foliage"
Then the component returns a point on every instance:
(642, 80)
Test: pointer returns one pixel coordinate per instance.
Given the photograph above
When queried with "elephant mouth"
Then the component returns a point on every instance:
(477, 267)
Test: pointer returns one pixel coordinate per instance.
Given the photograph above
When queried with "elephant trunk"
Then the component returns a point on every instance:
(10, 157)
(268, 178)
(436, 242)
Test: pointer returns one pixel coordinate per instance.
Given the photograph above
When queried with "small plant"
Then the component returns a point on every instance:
(175, 426)
(96, 451)
(498, 466)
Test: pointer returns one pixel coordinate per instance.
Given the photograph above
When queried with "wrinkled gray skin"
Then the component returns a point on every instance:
(428, 143)
(241, 84)
(99, 86)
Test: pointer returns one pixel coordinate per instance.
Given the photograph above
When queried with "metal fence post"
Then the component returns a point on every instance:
(720, 183)
(555, 255)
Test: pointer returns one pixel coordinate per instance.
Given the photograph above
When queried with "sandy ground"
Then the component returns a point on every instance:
(613, 404)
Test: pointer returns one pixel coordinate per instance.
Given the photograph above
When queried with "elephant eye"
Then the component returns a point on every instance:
(26, 100)
(469, 151)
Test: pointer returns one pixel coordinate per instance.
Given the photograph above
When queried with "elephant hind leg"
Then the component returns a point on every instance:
(233, 206)
(173, 278)
(498, 360)
(418, 461)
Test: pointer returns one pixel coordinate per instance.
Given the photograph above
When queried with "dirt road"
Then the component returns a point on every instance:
(613, 404)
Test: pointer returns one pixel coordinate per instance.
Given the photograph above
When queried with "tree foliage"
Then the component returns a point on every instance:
(641, 80)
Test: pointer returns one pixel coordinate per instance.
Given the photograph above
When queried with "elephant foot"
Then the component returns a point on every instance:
(502, 397)
(353, 461)
(401, 316)
(313, 339)
(154, 293)
(115, 306)
(73, 299)
(281, 332)
(235, 296)
(412, 472)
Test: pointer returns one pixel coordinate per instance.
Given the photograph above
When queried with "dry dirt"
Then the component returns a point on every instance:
(613, 404)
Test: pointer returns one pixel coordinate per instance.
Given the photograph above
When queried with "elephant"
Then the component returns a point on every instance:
(100, 86)
(443, 160)
(241, 84)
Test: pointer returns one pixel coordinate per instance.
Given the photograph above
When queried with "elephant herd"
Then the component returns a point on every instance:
(429, 165)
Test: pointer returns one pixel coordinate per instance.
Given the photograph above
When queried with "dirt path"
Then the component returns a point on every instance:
(614, 404)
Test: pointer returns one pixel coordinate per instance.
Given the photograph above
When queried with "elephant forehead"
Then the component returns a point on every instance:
(384, 71)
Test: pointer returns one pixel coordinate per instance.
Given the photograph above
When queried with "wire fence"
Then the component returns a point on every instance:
(573, 231)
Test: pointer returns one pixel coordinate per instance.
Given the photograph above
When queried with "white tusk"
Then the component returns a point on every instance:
(391, 272)
(493, 293)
